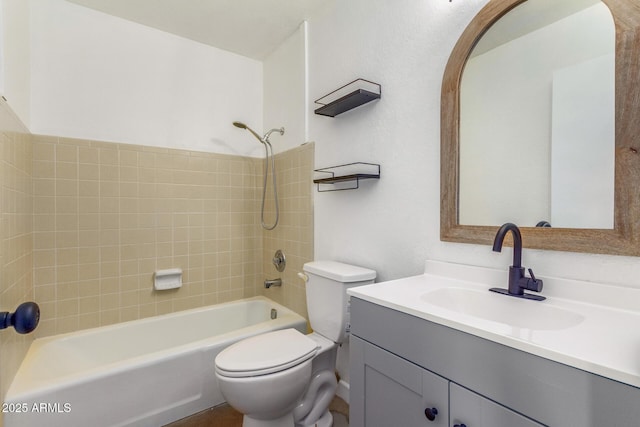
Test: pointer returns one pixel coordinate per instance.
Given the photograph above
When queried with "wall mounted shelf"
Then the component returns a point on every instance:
(348, 97)
(350, 173)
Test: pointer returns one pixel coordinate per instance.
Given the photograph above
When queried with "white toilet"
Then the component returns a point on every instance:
(285, 378)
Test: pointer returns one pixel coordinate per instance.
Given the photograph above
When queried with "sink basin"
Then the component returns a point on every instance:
(586, 325)
(503, 309)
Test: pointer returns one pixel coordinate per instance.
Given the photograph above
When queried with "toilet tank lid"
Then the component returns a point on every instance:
(339, 271)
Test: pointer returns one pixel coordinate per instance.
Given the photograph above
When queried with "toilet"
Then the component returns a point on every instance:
(285, 378)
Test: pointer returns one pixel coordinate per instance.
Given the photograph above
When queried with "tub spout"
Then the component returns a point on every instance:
(275, 282)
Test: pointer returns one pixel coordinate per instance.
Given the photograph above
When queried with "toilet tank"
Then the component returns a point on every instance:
(327, 299)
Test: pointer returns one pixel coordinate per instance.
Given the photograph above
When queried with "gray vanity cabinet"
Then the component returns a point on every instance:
(473, 410)
(394, 392)
(390, 391)
(401, 365)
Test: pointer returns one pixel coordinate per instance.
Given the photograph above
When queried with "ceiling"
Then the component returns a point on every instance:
(252, 28)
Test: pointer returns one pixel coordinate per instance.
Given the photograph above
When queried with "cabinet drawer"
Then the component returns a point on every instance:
(473, 410)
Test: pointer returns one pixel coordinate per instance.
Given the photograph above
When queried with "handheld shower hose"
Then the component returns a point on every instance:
(268, 149)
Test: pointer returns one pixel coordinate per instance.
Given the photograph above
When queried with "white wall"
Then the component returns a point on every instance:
(388, 225)
(99, 77)
(15, 57)
(392, 225)
(285, 92)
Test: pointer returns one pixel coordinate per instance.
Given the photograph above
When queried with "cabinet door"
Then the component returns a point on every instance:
(393, 392)
(472, 410)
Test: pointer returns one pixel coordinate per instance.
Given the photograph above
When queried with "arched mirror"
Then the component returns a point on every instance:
(540, 126)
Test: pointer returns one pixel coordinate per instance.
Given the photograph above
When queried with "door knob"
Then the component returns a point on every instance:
(24, 319)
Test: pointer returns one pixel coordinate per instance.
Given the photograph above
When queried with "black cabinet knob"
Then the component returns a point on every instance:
(459, 425)
(430, 413)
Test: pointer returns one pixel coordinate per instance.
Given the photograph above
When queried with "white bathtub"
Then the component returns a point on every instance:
(147, 372)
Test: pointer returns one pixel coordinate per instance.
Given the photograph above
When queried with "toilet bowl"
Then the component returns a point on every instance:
(272, 380)
(285, 378)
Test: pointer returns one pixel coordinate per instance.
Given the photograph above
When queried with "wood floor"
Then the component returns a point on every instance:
(226, 416)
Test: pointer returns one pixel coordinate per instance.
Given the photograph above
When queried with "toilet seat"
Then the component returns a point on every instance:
(265, 354)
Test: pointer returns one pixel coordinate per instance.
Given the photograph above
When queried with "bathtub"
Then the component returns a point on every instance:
(146, 372)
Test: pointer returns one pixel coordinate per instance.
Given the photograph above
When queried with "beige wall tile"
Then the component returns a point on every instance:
(17, 152)
(95, 220)
(122, 211)
(294, 233)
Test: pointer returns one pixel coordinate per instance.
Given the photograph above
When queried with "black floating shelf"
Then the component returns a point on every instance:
(348, 97)
(350, 172)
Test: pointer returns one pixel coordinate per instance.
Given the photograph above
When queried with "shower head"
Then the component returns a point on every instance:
(240, 125)
(243, 126)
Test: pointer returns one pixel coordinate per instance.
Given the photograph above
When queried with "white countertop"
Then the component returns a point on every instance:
(590, 326)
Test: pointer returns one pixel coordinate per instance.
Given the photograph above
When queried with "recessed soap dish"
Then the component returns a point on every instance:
(167, 279)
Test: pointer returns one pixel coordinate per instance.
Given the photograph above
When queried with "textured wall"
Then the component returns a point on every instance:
(99, 77)
(393, 225)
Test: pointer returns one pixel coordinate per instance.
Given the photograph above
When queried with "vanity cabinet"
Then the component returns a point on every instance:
(401, 365)
(471, 409)
(394, 391)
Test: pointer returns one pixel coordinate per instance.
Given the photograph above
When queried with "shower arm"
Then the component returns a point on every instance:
(266, 136)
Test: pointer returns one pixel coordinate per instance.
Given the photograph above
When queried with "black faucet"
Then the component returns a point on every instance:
(518, 282)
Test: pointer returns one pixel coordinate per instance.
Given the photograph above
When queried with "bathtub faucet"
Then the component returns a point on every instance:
(275, 282)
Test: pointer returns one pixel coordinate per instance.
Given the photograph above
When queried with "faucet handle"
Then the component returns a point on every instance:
(531, 273)
(533, 284)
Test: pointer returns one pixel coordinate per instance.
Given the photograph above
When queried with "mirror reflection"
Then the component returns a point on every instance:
(537, 128)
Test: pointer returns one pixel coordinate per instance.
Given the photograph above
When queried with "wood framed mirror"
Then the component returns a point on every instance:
(623, 238)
